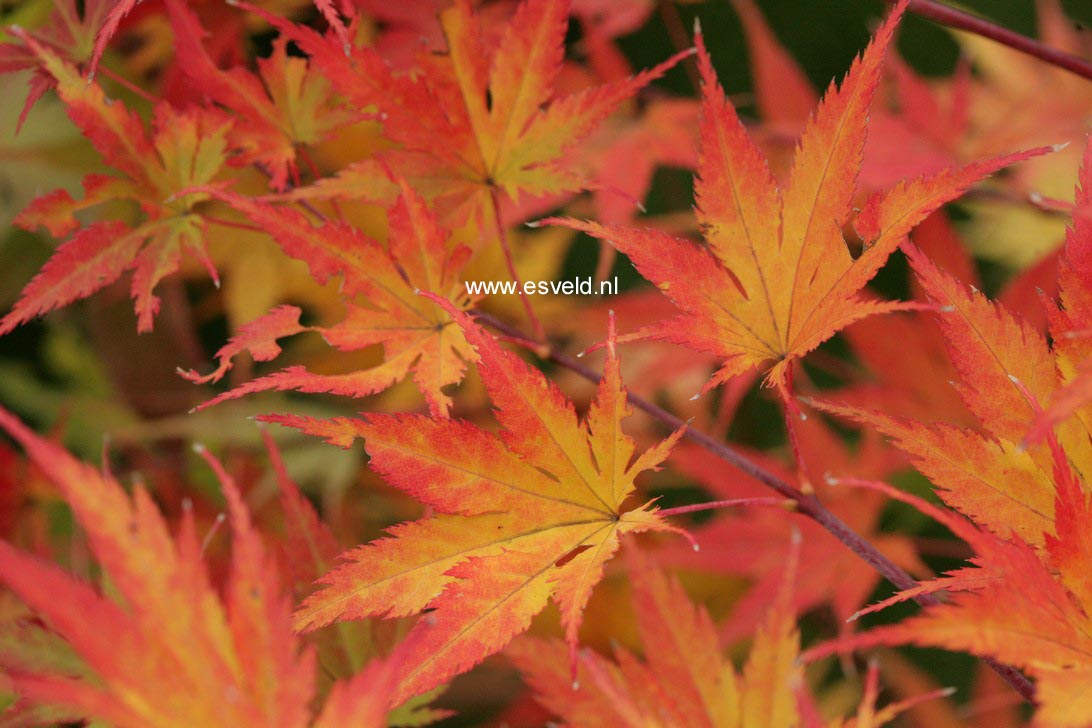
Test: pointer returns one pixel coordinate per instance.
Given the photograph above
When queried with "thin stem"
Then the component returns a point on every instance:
(319, 215)
(945, 15)
(502, 236)
(730, 503)
(313, 168)
(792, 415)
(232, 223)
(132, 87)
(806, 502)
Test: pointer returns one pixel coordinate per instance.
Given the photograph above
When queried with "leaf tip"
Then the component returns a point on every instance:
(1058, 147)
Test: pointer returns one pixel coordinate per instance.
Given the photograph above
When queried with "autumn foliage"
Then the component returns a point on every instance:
(848, 372)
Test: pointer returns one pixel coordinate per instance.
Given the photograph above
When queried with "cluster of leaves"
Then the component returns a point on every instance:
(345, 168)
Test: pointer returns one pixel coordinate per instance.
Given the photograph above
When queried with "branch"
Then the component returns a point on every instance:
(806, 502)
(945, 15)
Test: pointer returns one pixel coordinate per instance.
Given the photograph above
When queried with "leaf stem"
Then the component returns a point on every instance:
(953, 18)
(806, 502)
(502, 236)
(730, 503)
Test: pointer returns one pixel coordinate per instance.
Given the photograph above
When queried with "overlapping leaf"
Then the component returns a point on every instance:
(166, 625)
(1026, 607)
(1025, 598)
(69, 30)
(379, 286)
(1071, 320)
(531, 513)
(285, 105)
(776, 278)
(685, 679)
(503, 125)
(186, 149)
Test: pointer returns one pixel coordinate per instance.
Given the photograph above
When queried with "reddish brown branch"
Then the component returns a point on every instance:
(945, 15)
(806, 502)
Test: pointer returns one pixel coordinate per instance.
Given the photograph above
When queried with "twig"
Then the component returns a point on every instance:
(806, 502)
(945, 15)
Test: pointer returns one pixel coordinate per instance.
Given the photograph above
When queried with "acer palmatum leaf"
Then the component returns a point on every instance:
(378, 285)
(167, 624)
(685, 678)
(1024, 607)
(285, 105)
(505, 127)
(776, 278)
(186, 149)
(531, 513)
(1071, 320)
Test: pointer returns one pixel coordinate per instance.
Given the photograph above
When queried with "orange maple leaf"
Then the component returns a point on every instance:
(504, 128)
(531, 513)
(379, 285)
(685, 679)
(1071, 320)
(1006, 369)
(285, 105)
(167, 625)
(1026, 607)
(186, 149)
(776, 278)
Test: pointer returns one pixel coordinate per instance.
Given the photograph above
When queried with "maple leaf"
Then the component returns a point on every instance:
(1025, 607)
(776, 278)
(1071, 320)
(1005, 369)
(685, 679)
(285, 105)
(531, 513)
(167, 625)
(69, 31)
(116, 15)
(505, 130)
(187, 149)
(416, 335)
